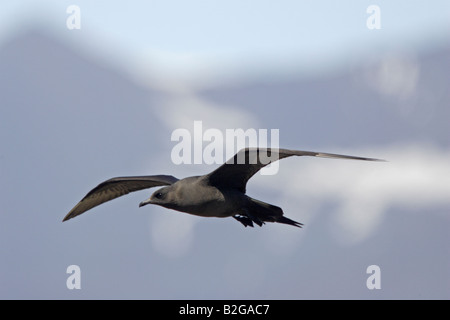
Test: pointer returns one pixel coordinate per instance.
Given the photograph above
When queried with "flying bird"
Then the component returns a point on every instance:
(220, 193)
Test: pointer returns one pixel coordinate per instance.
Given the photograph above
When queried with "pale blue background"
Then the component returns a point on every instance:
(80, 106)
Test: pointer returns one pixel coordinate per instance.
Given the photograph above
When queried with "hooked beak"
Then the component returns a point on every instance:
(145, 202)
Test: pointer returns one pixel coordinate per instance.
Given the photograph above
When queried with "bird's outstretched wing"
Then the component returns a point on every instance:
(238, 170)
(116, 187)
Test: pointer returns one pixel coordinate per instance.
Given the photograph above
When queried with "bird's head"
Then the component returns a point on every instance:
(161, 197)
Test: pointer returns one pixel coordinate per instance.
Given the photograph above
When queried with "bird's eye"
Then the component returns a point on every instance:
(159, 195)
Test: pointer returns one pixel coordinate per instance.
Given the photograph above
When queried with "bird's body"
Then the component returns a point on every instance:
(195, 196)
(221, 193)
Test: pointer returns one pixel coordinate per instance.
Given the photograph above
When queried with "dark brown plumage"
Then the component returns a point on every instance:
(220, 193)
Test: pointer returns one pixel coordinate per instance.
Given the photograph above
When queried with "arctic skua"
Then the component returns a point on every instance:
(220, 193)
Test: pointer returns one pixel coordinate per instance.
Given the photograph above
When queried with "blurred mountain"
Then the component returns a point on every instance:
(400, 97)
(51, 91)
(68, 122)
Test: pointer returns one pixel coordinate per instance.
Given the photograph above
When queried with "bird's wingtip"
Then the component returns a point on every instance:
(377, 160)
(67, 217)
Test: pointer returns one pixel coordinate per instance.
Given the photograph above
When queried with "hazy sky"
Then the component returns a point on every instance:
(191, 39)
(87, 121)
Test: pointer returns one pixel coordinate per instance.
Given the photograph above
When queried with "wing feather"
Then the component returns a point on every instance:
(238, 170)
(117, 187)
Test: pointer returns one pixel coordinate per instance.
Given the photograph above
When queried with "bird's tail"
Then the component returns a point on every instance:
(260, 212)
